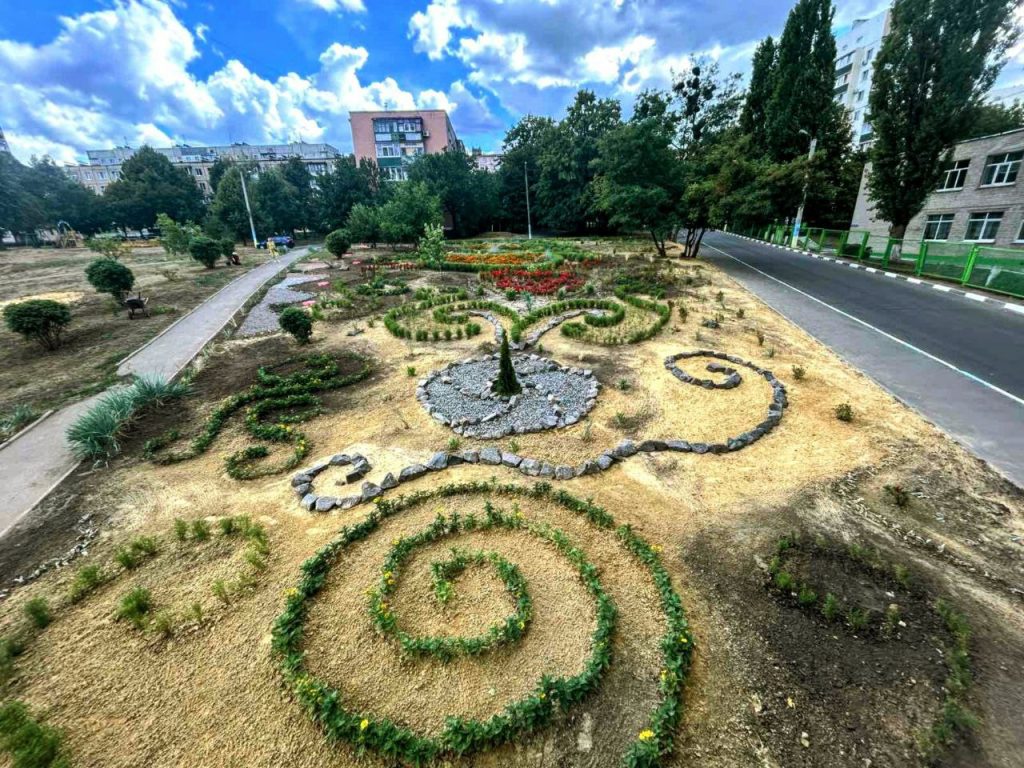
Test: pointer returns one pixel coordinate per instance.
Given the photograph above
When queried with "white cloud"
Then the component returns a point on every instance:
(201, 30)
(123, 74)
(431, 29)
(334, 6)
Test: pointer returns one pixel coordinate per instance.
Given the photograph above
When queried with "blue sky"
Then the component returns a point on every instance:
(83, 74)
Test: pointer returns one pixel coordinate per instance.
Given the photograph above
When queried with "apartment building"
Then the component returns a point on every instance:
(979, 198)
(856, 50)
(104, 165)
(486, 161)
(395, 138)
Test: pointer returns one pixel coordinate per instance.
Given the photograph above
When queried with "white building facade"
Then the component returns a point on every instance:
(856, 51)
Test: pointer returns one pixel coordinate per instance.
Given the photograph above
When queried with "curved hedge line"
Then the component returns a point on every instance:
(325, 704)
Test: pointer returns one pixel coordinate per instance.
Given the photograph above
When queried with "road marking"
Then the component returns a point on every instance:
(891, 274)
(907, 344)
(943, 288)
(975, 296)
(870, 269)
(1014, 308)
(915, 281)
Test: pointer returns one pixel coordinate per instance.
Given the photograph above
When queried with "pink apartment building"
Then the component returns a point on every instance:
(395, 138)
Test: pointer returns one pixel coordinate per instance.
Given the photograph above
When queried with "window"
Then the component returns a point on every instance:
(860, 96)
(1020, 233)
(954, 175)
(865, 75)
(388, 150)
(867, 56)
(1001, 169)
(198, 171)
(88, 175)
(937, 226)
(983, 226)
(202, 185)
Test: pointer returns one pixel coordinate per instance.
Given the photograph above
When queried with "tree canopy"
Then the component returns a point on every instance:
(149, 185)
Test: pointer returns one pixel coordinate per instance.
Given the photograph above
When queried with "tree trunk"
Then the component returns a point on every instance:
(898, 230)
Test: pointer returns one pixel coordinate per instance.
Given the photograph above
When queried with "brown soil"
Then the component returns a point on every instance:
(215, 696)
(100, 334)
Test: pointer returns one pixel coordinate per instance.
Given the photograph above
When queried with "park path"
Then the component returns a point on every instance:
(32, 464)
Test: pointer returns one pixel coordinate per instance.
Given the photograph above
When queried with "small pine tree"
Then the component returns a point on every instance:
(507, 383)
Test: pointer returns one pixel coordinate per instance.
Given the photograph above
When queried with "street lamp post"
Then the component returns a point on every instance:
(803, 200)
(529, 224)
(248, 208)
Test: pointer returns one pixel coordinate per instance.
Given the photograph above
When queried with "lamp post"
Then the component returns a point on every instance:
(529, 225)
(803, 200)
(248, 208)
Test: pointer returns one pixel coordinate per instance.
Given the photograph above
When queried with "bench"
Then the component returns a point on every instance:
(136, 304)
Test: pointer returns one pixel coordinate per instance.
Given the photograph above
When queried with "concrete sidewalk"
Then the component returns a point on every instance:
(32, 464)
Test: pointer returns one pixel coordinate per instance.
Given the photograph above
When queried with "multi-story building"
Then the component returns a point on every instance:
(485, 161)
(979, 199)
(856, 50)
(104, 165)
(395, 138)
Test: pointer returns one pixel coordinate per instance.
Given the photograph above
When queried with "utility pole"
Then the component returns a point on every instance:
(529, 224)
(248, 208)
(803, 201)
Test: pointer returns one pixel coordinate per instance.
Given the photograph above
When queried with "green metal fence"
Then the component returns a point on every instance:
(980, 266)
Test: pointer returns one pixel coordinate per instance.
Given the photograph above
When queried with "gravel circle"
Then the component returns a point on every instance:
(262, 318)
(461, 396)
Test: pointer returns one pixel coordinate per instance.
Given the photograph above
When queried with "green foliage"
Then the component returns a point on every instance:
(87, 580)
(20, 416)
(279, 201)
(108, 246)
(932, 70)
(507, 384)
(754, 117)
(28, 743)
(40, 320)
(338, 242)
(150, 185)
(180, 529)
(411, 209)
(227, 248)
(205, 250)
(228, 214)
(175, 238)
(135, 607)
(830, 608)
(431, 248)
(899, 495)
(364, 224)
(200, 529)
(37, 610)
(96, 433)
(344, 188)
(42, 194)
(298, 323)
(263, 404)
(844, 412)
(799, 373)
(109, 276)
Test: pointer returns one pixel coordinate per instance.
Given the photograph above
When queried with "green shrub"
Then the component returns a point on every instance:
(227, 248)
(205, 250)
(40, 320)
(338, 242)
(88, 579)
(108, 247)
(135, 607)
(21, 416)
(431, 246)
(38, 612)
(506, 384)
(298, 323)
(200, 530)
(830, 608)
(799, 373)
(28, 743)
(163, 624)
(180, 529)
(109, 276)
(844, 412)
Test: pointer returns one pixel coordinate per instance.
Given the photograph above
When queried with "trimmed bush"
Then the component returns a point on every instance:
(507, 384)
(338, 242)
(298, 323)
(109, 276)
(40, 320)
(205, 250)
(227, 248)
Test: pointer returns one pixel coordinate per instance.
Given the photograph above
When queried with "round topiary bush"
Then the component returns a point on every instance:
(205, 250)
(109, 276)
(227, 248)
(39, 319)
(298, 323)
(338, 242)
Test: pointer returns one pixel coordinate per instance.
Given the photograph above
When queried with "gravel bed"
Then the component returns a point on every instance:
(262, 318)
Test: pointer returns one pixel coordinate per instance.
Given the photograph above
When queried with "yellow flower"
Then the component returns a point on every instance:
(522, 625)
(541, 696)
(646, 734)
(684, 639)
(291, 592)
(364, 724)
(656, 548)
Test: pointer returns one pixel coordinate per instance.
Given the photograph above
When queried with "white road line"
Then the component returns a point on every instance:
(907, 344)
(943, 288)
(915, 281)
(1014, 308)
(870, 269)
(975, 296)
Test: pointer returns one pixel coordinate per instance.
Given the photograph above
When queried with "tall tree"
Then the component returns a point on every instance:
(564, 195)
(411, 208)
(995, 118)
(451, 176)
(228, 215)
(342, 187)
(296, 173)
(935, 65)
(802, 105)
(762, 86)
(524, 144)
(279, 201)
(149, 185)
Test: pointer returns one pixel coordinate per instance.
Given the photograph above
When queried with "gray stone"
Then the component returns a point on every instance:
(316, 469)
(547, 471)
(438, 461)
(586, 468)
(349, 501)
(326, 503)
(356, 472)
(490, 456)
(309, 501)
(370, 491)
(650, 446)
(699, 447)
(412, 472)
(604, 461)
(624, 450)
(564, 473)
(510, 459)
(303, 489)
(677, 445)
(471, 457)
(301, 479)
(530, 467)
(340, 459)
(388, 482)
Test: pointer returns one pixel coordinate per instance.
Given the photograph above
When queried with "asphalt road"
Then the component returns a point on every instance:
(960, 363)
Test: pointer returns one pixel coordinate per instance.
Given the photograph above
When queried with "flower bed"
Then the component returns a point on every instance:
(540, 282)
(492, 259)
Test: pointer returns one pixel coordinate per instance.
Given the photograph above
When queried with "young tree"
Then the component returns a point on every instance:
(934, 66)
(802, 106)
(507, 384)
(411, 208)
(762, 86)
(41, 320)
(298, 323)
(109, 276)
(363, 224)
(206, 251)
(338, 242)
(150, 185)
(175, 238)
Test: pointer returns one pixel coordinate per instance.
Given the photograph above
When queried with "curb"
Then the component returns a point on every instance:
(27, 428)
(971, 295)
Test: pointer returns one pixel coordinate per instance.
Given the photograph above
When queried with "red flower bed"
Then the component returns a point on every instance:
(537, 281)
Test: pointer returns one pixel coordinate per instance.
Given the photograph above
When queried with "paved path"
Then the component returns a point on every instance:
(958, 362)
(34, 463)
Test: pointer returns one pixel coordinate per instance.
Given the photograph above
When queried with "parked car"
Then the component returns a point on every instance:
(286, 240)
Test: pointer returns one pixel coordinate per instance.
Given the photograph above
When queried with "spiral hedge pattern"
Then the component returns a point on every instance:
(500, 512)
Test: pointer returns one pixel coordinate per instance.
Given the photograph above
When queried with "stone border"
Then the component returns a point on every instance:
(494, 456)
